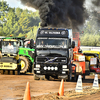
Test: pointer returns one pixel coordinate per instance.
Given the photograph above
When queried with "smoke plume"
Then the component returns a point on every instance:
(96, 3)
(59, 13)
(95, 12)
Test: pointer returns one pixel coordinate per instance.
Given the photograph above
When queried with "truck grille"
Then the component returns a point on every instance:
(51, 59)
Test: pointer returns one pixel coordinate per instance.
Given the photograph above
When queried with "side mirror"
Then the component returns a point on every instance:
(31, 43)
(73, 44)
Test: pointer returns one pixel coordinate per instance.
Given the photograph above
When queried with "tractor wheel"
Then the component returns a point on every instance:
(24, 64)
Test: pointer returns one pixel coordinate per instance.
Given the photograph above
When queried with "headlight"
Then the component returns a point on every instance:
(63, 72)
(56, 68)
(65, 69)
(64, 66)
(38, 65)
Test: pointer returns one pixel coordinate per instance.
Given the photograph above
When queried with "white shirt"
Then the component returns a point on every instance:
(10, 47)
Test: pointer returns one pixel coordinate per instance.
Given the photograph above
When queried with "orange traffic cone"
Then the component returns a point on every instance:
(27, 95)
(61, 88)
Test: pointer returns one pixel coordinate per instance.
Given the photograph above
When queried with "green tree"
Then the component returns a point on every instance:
(90, 40)
(16, 21)
(10, 26)
(32, 34)
(3, 11)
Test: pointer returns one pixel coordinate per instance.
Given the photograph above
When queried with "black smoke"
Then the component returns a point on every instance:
(59, 13)
(96, 11)
(96, 3)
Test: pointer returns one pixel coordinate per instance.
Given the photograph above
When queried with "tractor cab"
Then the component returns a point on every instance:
(10, 62)
(10, 46)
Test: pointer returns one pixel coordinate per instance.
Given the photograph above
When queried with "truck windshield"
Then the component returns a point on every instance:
(51, 43)
(9, 47)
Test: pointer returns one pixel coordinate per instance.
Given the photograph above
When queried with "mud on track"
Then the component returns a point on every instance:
(12, 87)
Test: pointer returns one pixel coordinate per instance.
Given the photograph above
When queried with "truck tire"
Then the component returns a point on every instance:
(75, 76)
(70, 74)
(25, 64)
(47, 77)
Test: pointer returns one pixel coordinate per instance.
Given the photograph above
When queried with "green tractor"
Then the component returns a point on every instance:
(10, 62)
(26, 54)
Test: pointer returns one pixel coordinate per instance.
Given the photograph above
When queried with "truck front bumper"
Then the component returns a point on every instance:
(51, 69)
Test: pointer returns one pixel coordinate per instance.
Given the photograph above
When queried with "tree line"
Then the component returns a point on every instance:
(91, 28)
(16, 21)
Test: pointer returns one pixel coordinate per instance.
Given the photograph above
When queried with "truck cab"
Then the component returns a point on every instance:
(53, 53)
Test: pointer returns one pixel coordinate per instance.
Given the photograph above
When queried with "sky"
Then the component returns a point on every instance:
(17, 3)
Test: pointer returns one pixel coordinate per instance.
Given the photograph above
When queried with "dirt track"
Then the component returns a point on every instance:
(12, 87)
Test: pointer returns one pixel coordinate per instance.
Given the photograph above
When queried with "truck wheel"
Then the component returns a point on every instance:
(75, 76)
(24, 64)
(70, 74)
(35, 77)
(47, 77)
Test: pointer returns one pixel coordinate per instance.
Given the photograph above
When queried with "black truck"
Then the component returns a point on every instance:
(53, 54)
